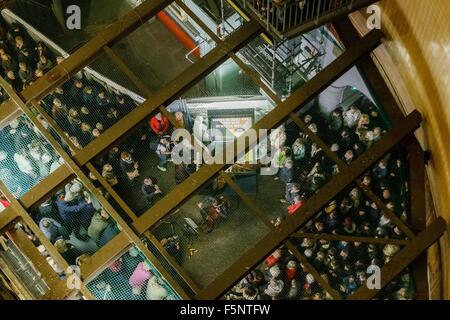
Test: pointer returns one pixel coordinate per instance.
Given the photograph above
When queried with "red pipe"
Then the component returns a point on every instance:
(181, 35)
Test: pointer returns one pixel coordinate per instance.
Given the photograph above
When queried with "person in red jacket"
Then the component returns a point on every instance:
(159, 124)
(293, 208)
(4, 204)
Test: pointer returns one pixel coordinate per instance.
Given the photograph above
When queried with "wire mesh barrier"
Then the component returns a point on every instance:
(75, 222)
(26, 158)
(139, 167)
(280, 277)
(85, 107)
(131, 277)
(209, 220)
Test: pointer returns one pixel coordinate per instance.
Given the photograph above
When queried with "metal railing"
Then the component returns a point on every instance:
(286, 18)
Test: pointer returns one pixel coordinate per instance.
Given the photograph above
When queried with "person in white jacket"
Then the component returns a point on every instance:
(24, 164)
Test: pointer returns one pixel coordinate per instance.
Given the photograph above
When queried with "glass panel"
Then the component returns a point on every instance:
(88, 104)
(27, 58)
(226, 80)
(26, 158)
(288, 65)
(152, 63)
(210, 221)
(75, 222)
(43, 24)
(131, 277)
(280, 277)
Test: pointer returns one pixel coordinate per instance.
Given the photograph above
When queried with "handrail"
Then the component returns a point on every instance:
(283, 16)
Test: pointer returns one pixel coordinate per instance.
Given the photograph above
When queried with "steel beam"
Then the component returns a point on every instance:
(340, 237)
(311, 269)
(313, 205)
(88, 52)
(171, 91)
(100, 259)
(404, 258)
(273, 119)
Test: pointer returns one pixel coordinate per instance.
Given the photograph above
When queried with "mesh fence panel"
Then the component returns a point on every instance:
(211, 219)
(26, 158)
(75, 222)
(131, 277)
(87, 105)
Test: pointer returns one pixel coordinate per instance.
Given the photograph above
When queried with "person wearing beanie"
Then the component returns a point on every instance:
(274, 288)
(273, 258)
(291, 270)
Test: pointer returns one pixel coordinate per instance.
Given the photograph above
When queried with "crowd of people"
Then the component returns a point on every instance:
(303, 165)
(125, 166)
(25, 156)
(75, 222)
(279, 277)
(304, 168)
(23, 60)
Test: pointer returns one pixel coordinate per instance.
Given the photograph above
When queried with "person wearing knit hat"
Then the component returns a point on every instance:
(274, 288)
(308, 253)
(291, 270)
(273, 258)
(275, 271)
(310, 278)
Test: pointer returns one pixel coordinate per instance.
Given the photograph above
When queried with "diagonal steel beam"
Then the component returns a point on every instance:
(328, 192)
(340, 237)
(7, 216)
(341, 164)
(273, 119)
(171, 91)
(76, 170)
(404, 258)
